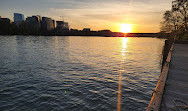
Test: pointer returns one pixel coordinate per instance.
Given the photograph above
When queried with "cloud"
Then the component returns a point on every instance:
(97, 14)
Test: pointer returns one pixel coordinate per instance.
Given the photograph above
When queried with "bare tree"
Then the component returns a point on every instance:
(176, 20)
(170, 22)
(181, 8)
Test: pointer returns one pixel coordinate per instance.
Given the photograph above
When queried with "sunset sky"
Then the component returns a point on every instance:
(143, 15)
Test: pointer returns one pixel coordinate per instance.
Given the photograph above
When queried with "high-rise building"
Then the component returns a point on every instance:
(66, 26)
(61, 25)
(18, 18)
(40, 18)
(5, 26)
(4, 20)
(34, 22)
(47, 24)
(54, 24)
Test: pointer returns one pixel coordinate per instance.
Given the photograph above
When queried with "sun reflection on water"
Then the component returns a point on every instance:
(124, 46)
(123, 53)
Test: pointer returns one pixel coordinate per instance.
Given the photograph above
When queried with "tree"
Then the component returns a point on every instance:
(181, 8)
(170, 22)
(176, 20)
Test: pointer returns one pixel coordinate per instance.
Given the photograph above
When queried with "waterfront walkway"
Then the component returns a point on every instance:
(175, 96)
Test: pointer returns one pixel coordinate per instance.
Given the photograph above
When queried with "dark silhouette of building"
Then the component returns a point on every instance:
(34, 24)
(5, 20)
(34, 20)
(61, 25)
(54, 24)
(86, 29)
(40, 18)
(5, 26)
(47, 24)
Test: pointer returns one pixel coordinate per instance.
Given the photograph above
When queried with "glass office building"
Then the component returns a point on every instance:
(18, 18)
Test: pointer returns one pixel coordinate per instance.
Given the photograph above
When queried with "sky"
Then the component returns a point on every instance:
(143, 15)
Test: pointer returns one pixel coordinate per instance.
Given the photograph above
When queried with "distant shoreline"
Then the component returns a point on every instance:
(109, 34)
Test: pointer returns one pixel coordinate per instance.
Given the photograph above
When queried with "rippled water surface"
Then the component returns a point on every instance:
(78, 73)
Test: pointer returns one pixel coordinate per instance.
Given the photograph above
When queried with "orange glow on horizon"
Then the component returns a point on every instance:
(125, 28)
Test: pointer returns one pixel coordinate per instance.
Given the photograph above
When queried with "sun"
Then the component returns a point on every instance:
(125, 28)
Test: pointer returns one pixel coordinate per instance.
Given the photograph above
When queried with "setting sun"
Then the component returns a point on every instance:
(125, 28)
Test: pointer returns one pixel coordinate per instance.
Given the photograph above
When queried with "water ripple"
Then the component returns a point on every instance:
(77, 73)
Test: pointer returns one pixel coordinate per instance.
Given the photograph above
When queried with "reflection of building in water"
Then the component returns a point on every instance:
(18, 18)
(61, 25)
(47, 24)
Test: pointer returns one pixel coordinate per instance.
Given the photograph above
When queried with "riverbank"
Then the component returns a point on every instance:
(175, 96)
(172, 85)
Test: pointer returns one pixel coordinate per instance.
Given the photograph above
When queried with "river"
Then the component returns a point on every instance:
(67, 73)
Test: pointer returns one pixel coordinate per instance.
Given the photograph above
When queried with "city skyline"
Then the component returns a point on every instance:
(144, 16)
